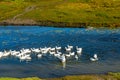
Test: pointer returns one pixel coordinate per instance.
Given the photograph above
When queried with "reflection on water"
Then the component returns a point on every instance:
(64, 65)
(104, 42)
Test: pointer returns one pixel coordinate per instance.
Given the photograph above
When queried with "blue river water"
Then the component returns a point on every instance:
(104, 42)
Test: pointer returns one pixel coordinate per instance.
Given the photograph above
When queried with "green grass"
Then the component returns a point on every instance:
(9, 78)
(115, 75)
(66, 11)
(10, 9)
(109, 76)
(30, 78)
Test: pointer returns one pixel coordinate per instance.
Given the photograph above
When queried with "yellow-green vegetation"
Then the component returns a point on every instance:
(30, 78)
(7, 78)
(109, 76)
(62, 12)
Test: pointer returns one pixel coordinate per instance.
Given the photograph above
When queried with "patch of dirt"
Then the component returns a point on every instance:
(19, 22)
(16, 21)
(28, 9)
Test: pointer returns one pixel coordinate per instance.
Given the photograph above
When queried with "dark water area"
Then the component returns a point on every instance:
(104, 42)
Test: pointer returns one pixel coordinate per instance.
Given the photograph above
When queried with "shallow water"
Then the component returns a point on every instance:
(104, 42)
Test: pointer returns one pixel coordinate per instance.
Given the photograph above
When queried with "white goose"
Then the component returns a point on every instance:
(95, 58)
(18, 55)
(1, 54)
(70, 46)
(39, 55)
(24, 54)
(58, 48)
(27, 50)
(37, 50)
(67, 49)
(79, 50)
(6, 53)
(72, 53)
(76, 57)
(67, 55)
(52, 52)
(25, 57)
(57, 55)
(14, 53)
(52, 49)
(28, 58)
(45, 50)
(22, 57)
(63, 59)
(59, 52)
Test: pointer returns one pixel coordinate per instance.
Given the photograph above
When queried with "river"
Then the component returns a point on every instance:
(101, 41)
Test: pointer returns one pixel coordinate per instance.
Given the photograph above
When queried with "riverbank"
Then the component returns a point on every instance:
(57, 24)
(109, 76)
(61, 13)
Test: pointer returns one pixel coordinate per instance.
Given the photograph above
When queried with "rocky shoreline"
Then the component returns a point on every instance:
(30, 22)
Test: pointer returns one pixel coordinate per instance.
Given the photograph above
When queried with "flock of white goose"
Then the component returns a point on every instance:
(25, 54)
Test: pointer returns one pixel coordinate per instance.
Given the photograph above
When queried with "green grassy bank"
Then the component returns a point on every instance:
(71, 13)
(109, 76)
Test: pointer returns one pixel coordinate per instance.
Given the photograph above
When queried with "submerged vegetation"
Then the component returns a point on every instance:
(109, 76)
(61, 12)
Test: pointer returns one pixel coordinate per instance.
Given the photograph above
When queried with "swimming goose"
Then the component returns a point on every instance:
(52, 49)
(36, 50)
(58, 48)
(72, 53)
(70, 46)
(95, 58)
(6, 53)
(39, 55)
(63, 59)
(76, 57)
(79, 50)
(59, 52)
(1, 54)
(67, 49)
(67, 55)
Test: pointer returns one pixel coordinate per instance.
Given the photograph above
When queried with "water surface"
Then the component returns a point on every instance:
(104, 42)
